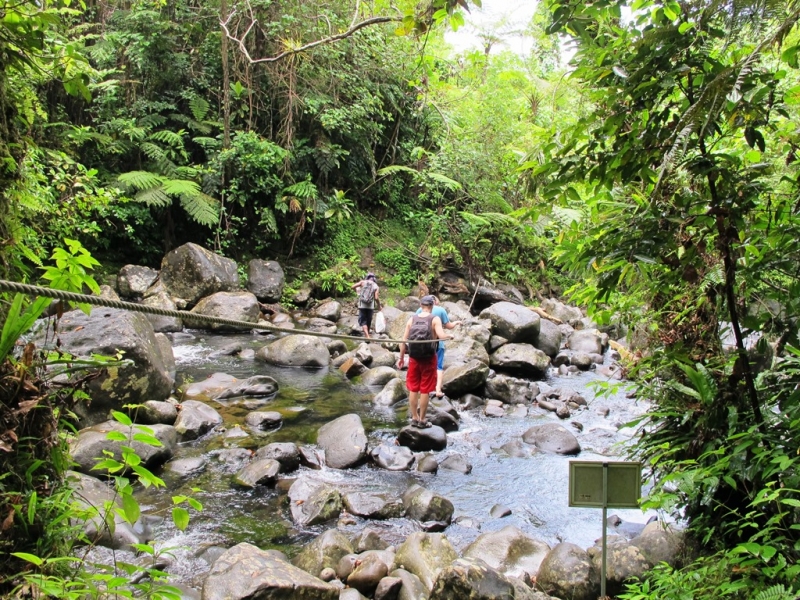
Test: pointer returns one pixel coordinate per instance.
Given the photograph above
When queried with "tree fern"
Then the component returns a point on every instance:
(201, 208)
(180, 187)
(392, 169)
(140, 180)
(174, 139)
(776, 592)
(450, 184)
(199, 107)
(154, 196)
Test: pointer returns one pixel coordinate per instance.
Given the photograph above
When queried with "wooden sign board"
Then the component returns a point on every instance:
(623, 484)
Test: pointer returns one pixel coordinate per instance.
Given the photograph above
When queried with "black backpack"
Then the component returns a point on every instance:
(421, 329)
(367, 293)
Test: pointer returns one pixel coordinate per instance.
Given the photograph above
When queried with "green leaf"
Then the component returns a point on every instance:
(130, 508)
(685, 26)
(31, 558)
(122, 418)
(148, 439)
(180, 517)
(32, 507)
(116, 436)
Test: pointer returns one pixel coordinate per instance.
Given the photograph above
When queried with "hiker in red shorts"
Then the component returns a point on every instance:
(422, 361)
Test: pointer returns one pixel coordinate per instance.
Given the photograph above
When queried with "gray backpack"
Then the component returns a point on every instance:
(367, 293)
(421, 329)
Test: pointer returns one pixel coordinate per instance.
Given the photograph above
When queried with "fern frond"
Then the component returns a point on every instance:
(199, 107)
(186, 173)
(302, 189)
(140, 180)
(152, 121)
(776, 592)
(202, 208)
(153, 197)
(153, 152)
(450, 184)
(207, 143)
(174, 139)
(29, 254)
(181, 187)
(392, 169)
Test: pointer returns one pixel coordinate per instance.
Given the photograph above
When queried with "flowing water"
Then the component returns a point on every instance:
(535, 487)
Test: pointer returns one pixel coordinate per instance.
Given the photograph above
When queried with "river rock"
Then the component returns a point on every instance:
(461, 379)
(320, 325)
(514, 322)
(352, 367)
(157, 297)
(210, 387)
(442, 418)
(463, 350)
(265, 279)
(392, 393)
(259, 472)
(351, 594)
(456, 462)
(378, 376)
(523, 359)
(373, 505)
(133, 280)
(381, 357)
(567, 572)
(90, 499)
(562, 312)
(408, 304)
(624, 561)
(392, 458)
(314, 502)
(428, 464)
(196, 419)
(106, 331)
(367, 574)
(659, 544)
(245, 571)
(549, 338)
(92, 444)
(494, 408)
(153, 412)
(424, 555)
(423, 505)
(184, 467)
(585, 341)
(191, 272)
(258, 386)
(582, 360)
(470, 401)
(471, 578)
(286, 453)
(412, 587)
(388, 588)
(344, 442)
(397, 326)
(510, 551)
(369, 539)
(330, 310)
(508, 389)
(551, 437)
(562, 358)
(296, 351)
(236, 306)
(325, 551)
(263, 420)
(420, 440)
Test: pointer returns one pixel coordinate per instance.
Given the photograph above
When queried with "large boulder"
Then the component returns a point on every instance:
(330, 310)
(509, 390)
(513, 322)
(92, 444)
(235, 306)
(423, 505)
(510, 551)
(378, 376)
(266, 280)
(246, 572)
(659, 543)
(259, 472)
(133, 280)
(463, 350)
(411, 587)
(196, 419)
(471, 578)
(392, 393)
(314, 502)
(107, 331)
(462, 379)
(523, 359)
(286, 453)
(587, 341)
(157, 297)
(424, 555)
(296, 351)
(191, 272)
(549, 338)
(552, 437)
(344, 442)
(561, 311)
(392, 458)
(624, 561)
(257, 386)
(421, 440)
(324, 552)
(374, 505)
(567, 572)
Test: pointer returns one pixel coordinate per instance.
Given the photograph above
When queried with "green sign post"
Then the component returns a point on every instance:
(600, 484)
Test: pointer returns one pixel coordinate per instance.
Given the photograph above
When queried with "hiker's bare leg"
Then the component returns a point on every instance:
(423, 406)
(439, 377)
(412, 405)
(365, 329)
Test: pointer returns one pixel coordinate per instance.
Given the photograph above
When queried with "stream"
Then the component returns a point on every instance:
(534, 487)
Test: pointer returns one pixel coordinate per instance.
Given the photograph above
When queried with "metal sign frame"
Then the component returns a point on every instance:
(623, 484)
(603, 484)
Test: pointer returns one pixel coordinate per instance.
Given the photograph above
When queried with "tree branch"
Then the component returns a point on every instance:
(354, 27)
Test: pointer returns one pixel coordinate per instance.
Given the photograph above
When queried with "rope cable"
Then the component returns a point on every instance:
(184, 315)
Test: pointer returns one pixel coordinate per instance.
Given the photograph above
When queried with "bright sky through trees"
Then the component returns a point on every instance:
(505, 19)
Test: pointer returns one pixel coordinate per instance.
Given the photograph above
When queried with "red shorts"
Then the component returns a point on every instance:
(421, 375)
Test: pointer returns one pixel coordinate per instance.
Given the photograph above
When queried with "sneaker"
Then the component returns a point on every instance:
(415, 423)
(424, 424)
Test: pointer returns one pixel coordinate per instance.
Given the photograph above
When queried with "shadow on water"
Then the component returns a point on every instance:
(534, 487)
